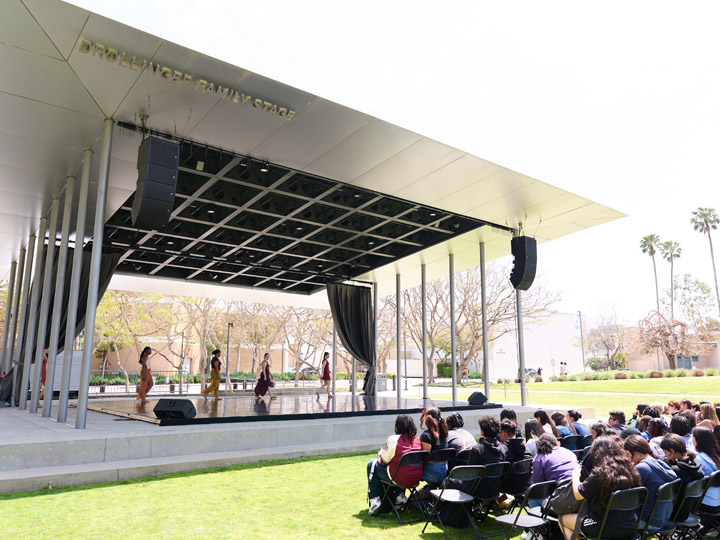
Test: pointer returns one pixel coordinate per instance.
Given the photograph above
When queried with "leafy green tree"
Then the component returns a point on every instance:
(649, 245)
(671, 251)
(704, 220)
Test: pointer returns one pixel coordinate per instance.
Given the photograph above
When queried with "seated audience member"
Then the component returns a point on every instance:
(653, 473)
(533, 430)
(613, 470)
(691, 417)
(683, 464)
(435, 437)
(558, 419)
(716, 432)
(685, 405)
(662, 409)
(628, 431)
(709, 418)
(547, 424)
(489, 450)
(404, 440)
(652, 412)
(680, 425)
(709, 459)
(643, 426)
(553, 462)
(717, 410)
(617, 420)
(458, 438)
(514, 447)
(673, 407)
(598, 429)
(657, 428)
(635, 419)
(573, 419)
(509, 414)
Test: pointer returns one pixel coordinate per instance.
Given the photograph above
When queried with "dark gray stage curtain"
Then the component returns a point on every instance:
(354, 318)
(108, 262)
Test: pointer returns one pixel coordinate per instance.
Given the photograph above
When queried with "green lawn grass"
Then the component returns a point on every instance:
(307, 498)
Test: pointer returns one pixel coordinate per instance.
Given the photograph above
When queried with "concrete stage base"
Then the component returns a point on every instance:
(36, 451)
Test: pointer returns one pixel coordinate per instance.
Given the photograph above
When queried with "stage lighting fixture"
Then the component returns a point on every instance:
(265, 167)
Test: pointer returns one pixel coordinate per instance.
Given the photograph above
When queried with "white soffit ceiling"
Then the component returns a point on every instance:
(54, 98)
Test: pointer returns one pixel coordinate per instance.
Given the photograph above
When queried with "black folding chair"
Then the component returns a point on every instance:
(665, 496)
(571, 442)
(494, 474)
(587, 441)
(686, 521)
(462, 458)
(516, 480)
(409, 459)
(624, 500)
(527, 522)
(472, 474)
(579, 454)
(710, 517)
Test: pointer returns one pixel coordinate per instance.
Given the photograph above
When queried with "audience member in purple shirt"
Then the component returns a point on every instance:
(553, 462)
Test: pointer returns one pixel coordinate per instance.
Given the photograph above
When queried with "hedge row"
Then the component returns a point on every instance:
(649, 374)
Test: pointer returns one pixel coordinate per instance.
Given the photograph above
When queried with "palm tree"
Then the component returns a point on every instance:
(703, 220)
(649, 245)
(671, 251)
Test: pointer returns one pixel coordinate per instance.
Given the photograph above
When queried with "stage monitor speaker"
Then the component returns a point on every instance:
(524, 251)
(175, 408)
(157, 165)
(477, 398)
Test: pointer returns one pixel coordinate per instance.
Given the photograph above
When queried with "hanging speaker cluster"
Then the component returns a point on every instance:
(524, 251)
(157, 165)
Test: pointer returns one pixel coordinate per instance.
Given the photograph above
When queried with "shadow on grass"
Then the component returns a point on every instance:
(388, 521)
(183, 474)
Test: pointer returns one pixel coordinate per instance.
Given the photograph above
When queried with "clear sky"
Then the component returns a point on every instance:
(615, 101)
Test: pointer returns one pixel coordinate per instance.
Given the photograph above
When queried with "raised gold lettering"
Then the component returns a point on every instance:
(124, 62)
(200, 83)
(245, 97)
(111, 55)
(236, 97)
(282, 112)
(99, 50)
(137, 65)
(257, 103)
(187, 78)
(222, 91)
(165, 72)
(177, 76)
(208, 87)
(84, 45)
(291, 113)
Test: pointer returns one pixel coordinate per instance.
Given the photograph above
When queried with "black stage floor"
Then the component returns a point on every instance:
(247, 409)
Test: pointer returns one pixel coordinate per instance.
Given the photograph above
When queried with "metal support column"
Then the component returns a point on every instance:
(423, 286)
(94, 282)
(8, 316)
(453, 346)
(32, 320)
(582, 341)
(23, 308)
(44, 306)
(59, 292)
(74, 293)
(398, 340)
(16, 307)
(334, 364)
(521, 348)
(483, 301)
(352, 382)
(375, 326)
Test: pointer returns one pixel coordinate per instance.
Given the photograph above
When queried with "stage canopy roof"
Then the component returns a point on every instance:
(279, 190)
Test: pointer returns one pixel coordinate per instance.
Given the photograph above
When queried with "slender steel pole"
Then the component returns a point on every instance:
(483, 301)
(405, 370)
(582, 341)
(334, 361)
(23, 309)
(94, 281)
(398, 339)
(59, 292)
(521, 347)
(452, 328)
(352, 382)
(16, 307)
(375, 327)
(423, 285)
(228, 386)
(44, 307)
(74, 294)
(34, 301)
(8, 316)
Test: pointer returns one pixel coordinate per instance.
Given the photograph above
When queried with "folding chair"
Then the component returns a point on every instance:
(579, 454)
(466, 473)
(527, 522)
(587, 441)
(494, 472)
(666, 494)
(710, 518)
(462, 458)
(571, 442)
(409, 459)
(516, 480)
(624, 500)
(687, 527)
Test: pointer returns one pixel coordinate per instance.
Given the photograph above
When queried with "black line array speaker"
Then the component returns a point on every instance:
(524, 251)
(157, 165)
(477, 398)
(175, 408)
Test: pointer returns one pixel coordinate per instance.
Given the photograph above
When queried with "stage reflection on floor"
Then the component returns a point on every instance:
(247, 408)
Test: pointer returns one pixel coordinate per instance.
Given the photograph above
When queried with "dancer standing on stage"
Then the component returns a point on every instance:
(325, 376)
(146, 381)
(265, 380)
(214, 385)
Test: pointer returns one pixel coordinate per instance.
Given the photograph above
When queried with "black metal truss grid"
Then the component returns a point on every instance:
(245, 222)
